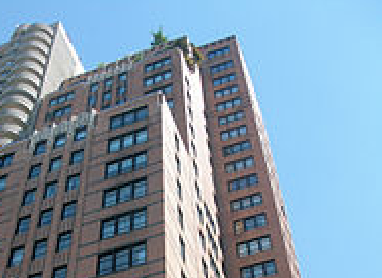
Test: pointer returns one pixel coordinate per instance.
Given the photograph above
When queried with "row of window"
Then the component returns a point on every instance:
(126, 165)
(165, 90)
(126, 141)
(63, 98)
(230, 118)
(254, 246)
(236, 148)
(264, 269)
(226, 91)
(246, 202)
(224, 79)
(127, 192)
(228, 104)
(55, 163)
(157, 78)
(243, 182)
(123, 224)
(72, 183)
(239, 165)
(233, 133)
(218, 52)
(221, 67)
(6, 160)
(122, 259)
(61, 111)
(250, 223)
(68, 211)
(129, 117)
(158, 64)
(108, 83)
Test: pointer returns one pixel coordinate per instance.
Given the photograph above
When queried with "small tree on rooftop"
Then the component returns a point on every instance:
(158, 37)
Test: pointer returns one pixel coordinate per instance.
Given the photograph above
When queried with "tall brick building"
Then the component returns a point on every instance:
(156, 165)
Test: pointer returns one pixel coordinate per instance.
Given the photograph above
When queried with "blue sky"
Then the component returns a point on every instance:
(317, 68)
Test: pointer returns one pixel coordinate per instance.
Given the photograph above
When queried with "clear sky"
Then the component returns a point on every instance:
(317, 68)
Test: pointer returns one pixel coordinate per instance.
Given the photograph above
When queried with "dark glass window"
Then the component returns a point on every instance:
(39, 250)
(106, 97)
(46, 217)
(126, 165)
(94, 87)
(35, 171)
(17, 255)
(55, 164)
(92, 101)
(23, 225)
(69, 210)
(218, 52)
(226, 91)
(246, 202)
(233, 133)
(250, 223)
(221, 67)
(60, 140)
(40, 148)
(170, 103)
(224, 79)
(50, 190)
(243, 182)
(73, 182)
(128, 140)
(77, 157)
(263, 269)
(254, 246)
(6, 160)
(3, 182)
(64, 240)
(236, 148)
(182, 249)
(81, 133)
(29, 197)
(108, 82)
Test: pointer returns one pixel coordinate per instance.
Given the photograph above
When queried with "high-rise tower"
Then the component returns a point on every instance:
(156, 165)
(33, 63)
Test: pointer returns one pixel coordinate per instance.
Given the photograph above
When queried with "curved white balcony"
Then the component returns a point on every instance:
(45, 28)
(39, 36)
(22, 89)
(32, 54)
(34, 45)
(9, 132)
(30, 65)
(13, 116)
(25, 77)
(17, 101)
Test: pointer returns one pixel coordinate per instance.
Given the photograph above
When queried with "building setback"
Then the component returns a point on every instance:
(156, 165)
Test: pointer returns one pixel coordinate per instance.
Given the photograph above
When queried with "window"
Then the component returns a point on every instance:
(164, 90)
(178, 165)
(29, 197)
(243, 182)
(17, 255)
(6, 160)
(193, 148)
(23, 225)
(37, 275)
(108, 83)
(157, 78)
(233, 133)
(73, 182)
(94, 87)
(205, 268)
(46, 217)
(226, 91)
(182, 248)
(253, 246)
(59, 272)
(200, 215)
(124, 224)
(158, 64)
(214, 267)
(106, 97)
(39, 250)
(62, 111)
(59, 141)
(246, 202)
(63, 242)
(50, 190)
(129, 118)
(35, 171)
(126, 165)
(77, 157)
(263, 269)
(69, 210)
(63, 98)
(180, 217)
(3, 181)
(92, 101)
(232, 103)
(121, 92)
(224, 79)
(179, 189)
(170, 103)
(122, 259)
(236, 148)
(239, 165)
(218, 52)
(221, 67)
(230, 118)
(122, 77)
(177, 142)
(128, 140)
(40, 148)
(197, 189)
(202, 240)
(81, 133)
(250, 223)
(196, 171)
(127, 192)
(55, 164)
